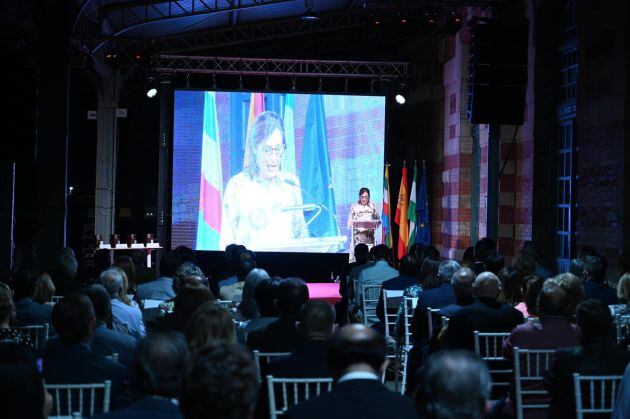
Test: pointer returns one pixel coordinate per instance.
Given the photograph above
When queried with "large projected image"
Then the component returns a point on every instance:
(273, 171)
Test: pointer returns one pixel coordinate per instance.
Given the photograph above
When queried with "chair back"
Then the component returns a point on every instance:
(262, 359)
(391, 300)
(595, 393)
(56, 298)
(83, 399)
(622, 326)
(489, 347)
(287, 392)
(38, 334)
(409, 305)
(225, 303)
(529, 367)
(369, 300)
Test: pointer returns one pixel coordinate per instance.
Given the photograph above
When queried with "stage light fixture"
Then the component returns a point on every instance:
(401, 93)
(453, 24)
(431, 19)
(310, 15)
(400, 99)
(152, 92)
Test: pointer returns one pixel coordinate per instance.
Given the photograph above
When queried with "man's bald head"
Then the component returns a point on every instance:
(356, 347)
(487, 285)
(462, 282)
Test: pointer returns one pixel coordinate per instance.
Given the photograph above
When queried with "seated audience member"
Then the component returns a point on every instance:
(125, 314)
(354, 276)
(428, 277)
(361, 252)
(221, 383)
(248, 308)
(574, 288)
(532, 285)
(105, 340)
(487, 314)
(623, 293)
(462, 281)
(453, 384)
(552, 331)
(64, 276)
(576, 267)
(430, 252)
(188, 270)
(162, 287)
(409, 271)
(45, 289)
(186, 254)
(495, 262)
(27, 311)
(622, 405)
(265, 294)
(483, 249)
(377, 273)
(187, 301)
(511, 286)
(357, 359)
(144, 274)
(468, 258)
(7, 309)
(530, 249)
(157, 373)
(102, 261)
(232, 258)
(22, 391)
(282, 335)
(310, 359)
(73, 362)
(209, 323)
(596, 356)
(595, 285)
(126, 264)
(234, 292)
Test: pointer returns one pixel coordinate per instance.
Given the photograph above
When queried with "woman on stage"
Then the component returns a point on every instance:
(361, 212)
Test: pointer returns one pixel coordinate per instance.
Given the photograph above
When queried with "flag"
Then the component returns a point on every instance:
(211, 188)
(401, 215)
(423, 235)
(315, 173)
(386, 226)
(411, 212)
(256, 107)
(288, 160)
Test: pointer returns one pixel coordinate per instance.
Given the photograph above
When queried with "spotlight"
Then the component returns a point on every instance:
(431, 19)
(400, 99)
(401, 93)
(151, 92)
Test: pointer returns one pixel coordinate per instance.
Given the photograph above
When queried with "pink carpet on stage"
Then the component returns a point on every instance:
(324, 291)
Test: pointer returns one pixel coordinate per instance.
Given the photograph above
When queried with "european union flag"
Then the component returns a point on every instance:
(315, 173)
(423, 231)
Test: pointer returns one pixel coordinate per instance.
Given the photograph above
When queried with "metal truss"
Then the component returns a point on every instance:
(280, 67)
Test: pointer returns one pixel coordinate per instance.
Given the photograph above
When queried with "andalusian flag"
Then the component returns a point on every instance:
(386, 226)
(411, 213)
(401, 215)
(211, 188)
(256, 107)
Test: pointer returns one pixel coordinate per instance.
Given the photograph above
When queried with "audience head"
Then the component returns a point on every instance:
(186, 254)
(126, 264)
(356, 347)
(317, 319)
(512, 287)
(576, 267)
(462, 282)
(22, 391)
(291, 295)
(245, 266)
(532, 284)
(453, 384)
(361, 252)
(186, 303)
(210, 322)
(416, 249)
(529, 248)
(552, 300)
(101, 301)
(594, 320)
(495, 262)
(382, 252)
(233, 255)
(574, 288)
(248, 307)
(468, 258)
(7, 308)
(409, 265)
(430, 252)
(487, 285)
(221, 382)
(371, 253)
(186, 269)
(525, 264)
(74, 319)
(585, 251)
(139, 257)
(24, 283)
(595, 267)
(429, 273)
(159, 364)
(45, 289)
(169, 263)
(623, 288)
(266, 294)
(67, 262)
(483, 248)
(112, 280)
(446, 269)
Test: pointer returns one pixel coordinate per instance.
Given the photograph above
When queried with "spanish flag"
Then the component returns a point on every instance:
(386, 226)
(401, 215)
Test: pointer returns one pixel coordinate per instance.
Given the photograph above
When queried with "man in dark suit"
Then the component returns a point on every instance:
(409, 267)
(485, 315)
(27, 311)
(282, 335)
(357, 358)
(158, 369)
(361, 252)
(596, 356)
(462, 282)
(595, 285)
(73, 362)
(453, 384)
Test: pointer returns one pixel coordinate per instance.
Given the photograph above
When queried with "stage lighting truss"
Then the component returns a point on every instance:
(170, 64)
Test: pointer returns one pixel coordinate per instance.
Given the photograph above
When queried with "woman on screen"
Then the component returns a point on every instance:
(362, 214)
(260, 204)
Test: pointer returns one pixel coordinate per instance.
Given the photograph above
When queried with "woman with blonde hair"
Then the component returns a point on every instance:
(623, 293)
(211, 322)
(45, 289)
